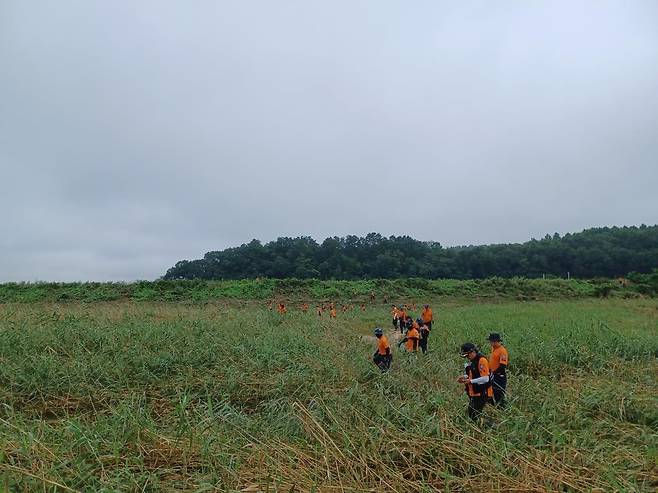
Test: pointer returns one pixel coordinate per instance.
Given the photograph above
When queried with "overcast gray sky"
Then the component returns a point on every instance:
(137, 133)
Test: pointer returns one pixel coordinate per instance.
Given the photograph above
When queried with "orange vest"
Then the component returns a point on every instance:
(383, 345)
(481, 370)
(499, 356)
(427, 315)
(412, 339)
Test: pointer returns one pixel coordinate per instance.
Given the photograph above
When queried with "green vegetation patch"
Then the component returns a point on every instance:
(201, 291)
(231, 396)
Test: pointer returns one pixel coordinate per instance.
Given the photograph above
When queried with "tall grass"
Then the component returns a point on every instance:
(233, 397)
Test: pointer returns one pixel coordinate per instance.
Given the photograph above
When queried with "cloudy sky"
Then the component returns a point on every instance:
(137, 133)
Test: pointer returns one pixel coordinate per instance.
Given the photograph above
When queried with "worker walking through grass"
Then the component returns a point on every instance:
(411, 340)
(498, 362)
(409, 323)
(424, 330)
(383, 356)
(427, 316)
(402, 317)
(477, 380)
(394, 314)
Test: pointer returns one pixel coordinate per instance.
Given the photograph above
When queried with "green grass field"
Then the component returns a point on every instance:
(228, 396)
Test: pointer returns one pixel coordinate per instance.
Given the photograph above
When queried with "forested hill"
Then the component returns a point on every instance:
(596, 252)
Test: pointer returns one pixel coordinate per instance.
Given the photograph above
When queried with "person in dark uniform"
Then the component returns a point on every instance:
(425, 330)
(477, 380)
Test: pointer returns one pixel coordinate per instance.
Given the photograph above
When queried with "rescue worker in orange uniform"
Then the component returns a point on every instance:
(498, 362)
(477, 380)
(412, 339)
(427, 316)
(402, 317)
(282, 309)
(394, 314)
(332, 312)
(383, 356)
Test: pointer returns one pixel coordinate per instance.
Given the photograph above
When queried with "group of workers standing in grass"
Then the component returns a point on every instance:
(484, 379)
(415, 334)
(330, 308)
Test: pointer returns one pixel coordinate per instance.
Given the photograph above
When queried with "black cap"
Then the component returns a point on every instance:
(467, 348)
(494, 337)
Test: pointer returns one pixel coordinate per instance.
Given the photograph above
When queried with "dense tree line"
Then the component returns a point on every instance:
(596, 252)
